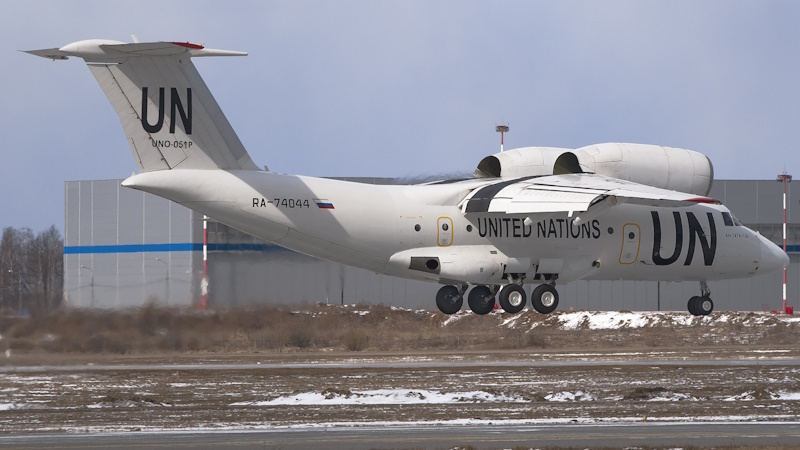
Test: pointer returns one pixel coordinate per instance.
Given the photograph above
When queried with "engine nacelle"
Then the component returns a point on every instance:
(662, 167)
(528, 161)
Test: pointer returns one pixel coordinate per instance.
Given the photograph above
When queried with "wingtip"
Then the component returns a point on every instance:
(49, 53)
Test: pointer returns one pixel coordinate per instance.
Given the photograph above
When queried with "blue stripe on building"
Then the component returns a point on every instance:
(193, 247)
(175, 247)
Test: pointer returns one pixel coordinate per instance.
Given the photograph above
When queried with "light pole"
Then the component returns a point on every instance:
(501, 129)
(167, 279)
(204, 281)
(784, 178)
(91, 282)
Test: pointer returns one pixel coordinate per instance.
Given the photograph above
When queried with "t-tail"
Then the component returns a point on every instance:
(168, 114)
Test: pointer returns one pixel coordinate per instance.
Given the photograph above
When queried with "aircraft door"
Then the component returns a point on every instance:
(444, 231)
(411, 231)
(631, 240)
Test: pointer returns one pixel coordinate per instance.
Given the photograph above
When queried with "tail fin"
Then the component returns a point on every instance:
(168, 114)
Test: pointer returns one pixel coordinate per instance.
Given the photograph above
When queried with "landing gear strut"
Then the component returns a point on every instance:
(702, 305)
(450, 298)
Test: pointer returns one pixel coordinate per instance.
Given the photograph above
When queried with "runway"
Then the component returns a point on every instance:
(443, 436)
(403, 401)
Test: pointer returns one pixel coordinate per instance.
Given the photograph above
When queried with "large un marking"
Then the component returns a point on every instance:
(175, 105)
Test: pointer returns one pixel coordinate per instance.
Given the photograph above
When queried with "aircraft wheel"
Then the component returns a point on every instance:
(449, 299)
(692, 306)
(704, 305)
(544, 298)
(512, 298)
(481, 300)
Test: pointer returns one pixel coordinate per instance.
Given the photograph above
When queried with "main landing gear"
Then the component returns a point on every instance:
(450, 298)
(481, 300)
(512, 298)
(701, 305)
(545, 298)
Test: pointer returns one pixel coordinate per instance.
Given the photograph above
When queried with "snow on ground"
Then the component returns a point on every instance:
(603, 320)
(611, 320)
(566, 396)
(382, 397)
(455, 317)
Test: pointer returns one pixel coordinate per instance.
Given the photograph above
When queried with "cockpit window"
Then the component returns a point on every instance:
(730, 220)
(726, 217)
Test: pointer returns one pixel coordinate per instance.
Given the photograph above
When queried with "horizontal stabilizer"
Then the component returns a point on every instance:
(49, 53)
(108, 51)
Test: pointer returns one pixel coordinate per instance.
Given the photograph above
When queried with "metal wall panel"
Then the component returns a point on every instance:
(85, 217)
(131, 216)
(769, 201)
(741, 199)
(156, 219)
(104, 212)
(109, 258)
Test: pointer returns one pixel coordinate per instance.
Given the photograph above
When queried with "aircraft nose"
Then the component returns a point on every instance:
(772, 257)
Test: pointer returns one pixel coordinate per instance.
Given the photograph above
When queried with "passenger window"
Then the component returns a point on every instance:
(726, 217)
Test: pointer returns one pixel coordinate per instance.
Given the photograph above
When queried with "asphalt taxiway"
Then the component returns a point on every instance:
(734, 434)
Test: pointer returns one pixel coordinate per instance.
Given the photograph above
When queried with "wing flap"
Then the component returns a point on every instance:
(569, 193)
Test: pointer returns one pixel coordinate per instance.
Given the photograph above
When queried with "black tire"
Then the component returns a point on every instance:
(544, 298)
(692, 306)
(449, 299)
(704, 305)
(481, 300)
(512, 298)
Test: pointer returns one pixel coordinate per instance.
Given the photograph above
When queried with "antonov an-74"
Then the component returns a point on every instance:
(530, 215)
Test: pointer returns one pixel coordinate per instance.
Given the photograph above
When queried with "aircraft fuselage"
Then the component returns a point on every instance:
(381, 228)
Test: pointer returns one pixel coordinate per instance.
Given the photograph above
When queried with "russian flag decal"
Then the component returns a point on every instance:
(323, 203)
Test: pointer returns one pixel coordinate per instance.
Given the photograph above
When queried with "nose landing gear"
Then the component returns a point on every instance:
(702, 305)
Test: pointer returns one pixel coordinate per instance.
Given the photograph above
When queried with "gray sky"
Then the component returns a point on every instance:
(406, 88)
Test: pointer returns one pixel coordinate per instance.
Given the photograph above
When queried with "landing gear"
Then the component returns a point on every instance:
(481, 300)
(544, 298)
(449, 299)
(702, 305)
(512, 298)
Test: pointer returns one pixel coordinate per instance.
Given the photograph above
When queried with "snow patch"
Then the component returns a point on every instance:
(565, 396)
(605, 320)
(382, 397)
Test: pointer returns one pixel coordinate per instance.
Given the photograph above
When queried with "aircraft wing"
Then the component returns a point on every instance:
(569, 193)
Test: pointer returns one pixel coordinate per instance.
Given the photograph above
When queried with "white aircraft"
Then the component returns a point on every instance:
(530, 215)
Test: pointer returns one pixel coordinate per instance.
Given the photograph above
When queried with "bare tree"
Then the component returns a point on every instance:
(31, 268)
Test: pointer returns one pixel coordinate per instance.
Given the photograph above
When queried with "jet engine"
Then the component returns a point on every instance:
(662, 167)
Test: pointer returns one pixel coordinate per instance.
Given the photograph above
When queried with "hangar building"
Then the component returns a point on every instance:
(125, 248)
